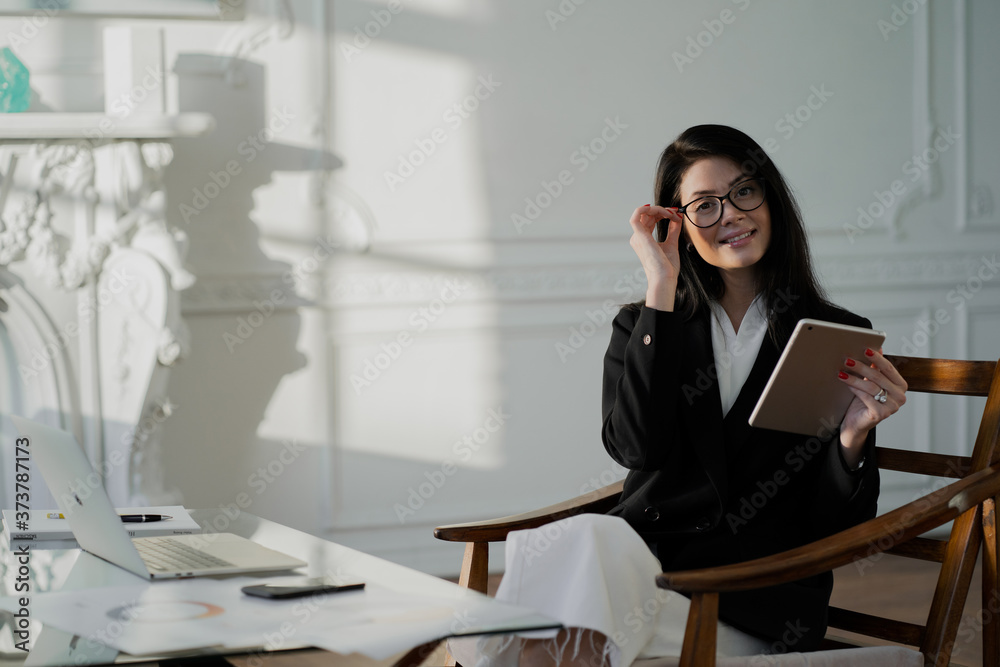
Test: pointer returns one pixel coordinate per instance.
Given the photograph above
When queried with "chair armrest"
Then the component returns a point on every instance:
(495, 530)
(858, 542)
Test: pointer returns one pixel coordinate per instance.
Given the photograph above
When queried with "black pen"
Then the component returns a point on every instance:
(126, 518)
(143, 518)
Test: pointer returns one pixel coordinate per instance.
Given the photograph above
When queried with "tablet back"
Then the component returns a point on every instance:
(804, 394)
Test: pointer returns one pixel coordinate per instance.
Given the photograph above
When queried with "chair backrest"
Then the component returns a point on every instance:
(957, 555)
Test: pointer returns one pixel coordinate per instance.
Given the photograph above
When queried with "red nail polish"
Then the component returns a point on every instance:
(842, 375)
(869, 352)
(645, 205)
(849, 362)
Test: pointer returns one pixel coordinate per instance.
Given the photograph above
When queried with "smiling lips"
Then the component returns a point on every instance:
(739, 239)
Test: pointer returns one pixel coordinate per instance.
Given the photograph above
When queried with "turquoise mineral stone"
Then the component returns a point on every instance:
(15, 94)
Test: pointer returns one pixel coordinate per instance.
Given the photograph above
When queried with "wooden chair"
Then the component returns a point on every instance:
(970, 502)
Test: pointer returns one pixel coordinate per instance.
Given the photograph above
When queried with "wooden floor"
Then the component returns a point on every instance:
(899, 588)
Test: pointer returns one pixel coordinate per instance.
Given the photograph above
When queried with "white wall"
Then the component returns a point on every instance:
(461, 310)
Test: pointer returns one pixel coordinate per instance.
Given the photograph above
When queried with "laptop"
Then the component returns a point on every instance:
(99, 530)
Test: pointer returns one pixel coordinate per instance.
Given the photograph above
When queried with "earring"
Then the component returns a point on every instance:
(690, 247)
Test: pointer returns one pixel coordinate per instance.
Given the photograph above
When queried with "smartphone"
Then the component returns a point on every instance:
(296, 588)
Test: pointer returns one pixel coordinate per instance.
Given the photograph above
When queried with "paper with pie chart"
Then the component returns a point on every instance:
(165, 617)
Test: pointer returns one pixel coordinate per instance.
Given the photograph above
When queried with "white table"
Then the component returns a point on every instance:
(61, 571)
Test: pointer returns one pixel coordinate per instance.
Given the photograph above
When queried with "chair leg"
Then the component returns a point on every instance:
(474, 575)
(991, 585)
(475, 566)
(699, 636)
(952, 588)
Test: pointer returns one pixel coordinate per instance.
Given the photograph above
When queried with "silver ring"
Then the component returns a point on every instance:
(880, 396)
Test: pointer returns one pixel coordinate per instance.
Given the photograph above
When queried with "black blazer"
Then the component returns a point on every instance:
(704, 490)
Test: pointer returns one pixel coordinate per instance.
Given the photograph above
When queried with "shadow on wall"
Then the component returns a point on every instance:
(224, 387)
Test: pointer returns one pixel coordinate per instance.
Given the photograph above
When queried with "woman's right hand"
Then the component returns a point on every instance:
(660, 261)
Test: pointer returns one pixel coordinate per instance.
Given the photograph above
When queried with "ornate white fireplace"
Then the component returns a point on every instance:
(83, 231)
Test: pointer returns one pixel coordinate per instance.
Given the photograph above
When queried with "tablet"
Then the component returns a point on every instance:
(804, 394)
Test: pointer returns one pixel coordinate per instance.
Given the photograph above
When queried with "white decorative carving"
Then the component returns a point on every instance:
(126, 265)
(138, 314)
(69, 168)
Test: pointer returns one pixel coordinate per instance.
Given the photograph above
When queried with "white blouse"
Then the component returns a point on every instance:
(735, 351)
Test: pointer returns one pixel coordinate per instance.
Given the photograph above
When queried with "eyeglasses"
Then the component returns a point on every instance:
(706, 211)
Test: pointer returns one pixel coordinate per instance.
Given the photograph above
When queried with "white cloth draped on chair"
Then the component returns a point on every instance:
(593, 571)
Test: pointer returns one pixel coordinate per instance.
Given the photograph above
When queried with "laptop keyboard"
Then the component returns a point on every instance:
(162, 554)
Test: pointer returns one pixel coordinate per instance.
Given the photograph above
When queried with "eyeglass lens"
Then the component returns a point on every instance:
(746, 196)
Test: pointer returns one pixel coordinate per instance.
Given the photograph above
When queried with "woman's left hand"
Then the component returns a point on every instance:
(879, 391)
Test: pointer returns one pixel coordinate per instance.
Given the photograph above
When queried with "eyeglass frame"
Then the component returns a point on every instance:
(722, 200)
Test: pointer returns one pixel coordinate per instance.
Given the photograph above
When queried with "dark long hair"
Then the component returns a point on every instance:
(784, 274)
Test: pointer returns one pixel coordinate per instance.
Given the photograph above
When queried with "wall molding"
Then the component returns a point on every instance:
(239, 293)
(961, 55)
(924, 127)
(975, 201)
(357, 288)
(924, 270)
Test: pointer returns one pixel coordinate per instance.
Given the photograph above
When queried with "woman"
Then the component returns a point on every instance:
(682, 373)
